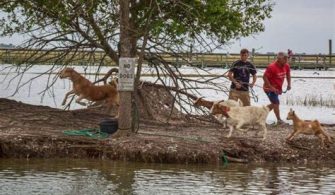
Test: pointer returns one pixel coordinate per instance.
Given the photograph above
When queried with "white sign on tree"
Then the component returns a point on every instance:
(126, 74)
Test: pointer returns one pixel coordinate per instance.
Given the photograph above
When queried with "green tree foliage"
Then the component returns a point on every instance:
(169, 24)
(156, 26)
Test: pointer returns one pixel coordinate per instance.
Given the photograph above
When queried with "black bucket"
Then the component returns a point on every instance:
(109, 126)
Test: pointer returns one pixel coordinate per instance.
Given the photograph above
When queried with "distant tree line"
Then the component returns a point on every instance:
(7, 46)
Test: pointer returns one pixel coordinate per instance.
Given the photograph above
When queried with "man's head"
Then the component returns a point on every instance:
(282, 58)
(244, 53)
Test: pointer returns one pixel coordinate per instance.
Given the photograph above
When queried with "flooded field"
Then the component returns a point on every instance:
(312, 95)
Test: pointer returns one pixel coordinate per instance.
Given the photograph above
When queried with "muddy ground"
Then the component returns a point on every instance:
(30, 131)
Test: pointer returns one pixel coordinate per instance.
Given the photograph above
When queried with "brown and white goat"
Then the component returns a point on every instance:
(239, 116)
(85, 89)
(208, 104)
(306, 127)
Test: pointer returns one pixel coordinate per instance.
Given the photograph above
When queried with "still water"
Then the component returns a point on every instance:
(69, 176)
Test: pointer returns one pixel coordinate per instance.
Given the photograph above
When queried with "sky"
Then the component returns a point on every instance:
(304, 26)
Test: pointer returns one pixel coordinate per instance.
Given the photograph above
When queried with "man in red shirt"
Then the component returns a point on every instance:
(274, 77)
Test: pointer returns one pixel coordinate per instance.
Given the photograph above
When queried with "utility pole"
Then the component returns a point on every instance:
(330, 52)
(125, 95)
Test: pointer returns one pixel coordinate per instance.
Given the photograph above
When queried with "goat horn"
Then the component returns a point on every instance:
(221, 101)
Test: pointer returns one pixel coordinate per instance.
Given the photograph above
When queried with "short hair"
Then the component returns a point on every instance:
(244, 51)
(281, 54)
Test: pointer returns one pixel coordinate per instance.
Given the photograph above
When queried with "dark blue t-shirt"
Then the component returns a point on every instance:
(242, 71)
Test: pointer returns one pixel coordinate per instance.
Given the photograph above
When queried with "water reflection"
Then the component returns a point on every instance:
(59, 176)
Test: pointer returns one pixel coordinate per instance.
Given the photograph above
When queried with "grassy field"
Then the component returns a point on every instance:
(299, 61)
(312, 100)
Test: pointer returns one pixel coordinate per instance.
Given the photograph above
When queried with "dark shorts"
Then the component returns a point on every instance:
(273, 97)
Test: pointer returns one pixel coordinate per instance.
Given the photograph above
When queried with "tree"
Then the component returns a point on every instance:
(155, 28)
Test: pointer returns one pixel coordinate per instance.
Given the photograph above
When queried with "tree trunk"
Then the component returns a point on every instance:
(125, 118)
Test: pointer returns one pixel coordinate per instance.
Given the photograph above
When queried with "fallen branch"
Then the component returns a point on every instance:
(193, 97)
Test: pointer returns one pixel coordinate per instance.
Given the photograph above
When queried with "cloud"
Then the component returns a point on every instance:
(301, 25)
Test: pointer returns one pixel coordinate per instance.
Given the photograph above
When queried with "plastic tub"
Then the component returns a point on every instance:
(109, 126)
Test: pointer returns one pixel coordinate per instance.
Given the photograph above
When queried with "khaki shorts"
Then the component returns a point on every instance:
(242, 95)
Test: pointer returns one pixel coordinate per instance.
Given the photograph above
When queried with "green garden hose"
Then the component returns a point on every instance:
(92, 133)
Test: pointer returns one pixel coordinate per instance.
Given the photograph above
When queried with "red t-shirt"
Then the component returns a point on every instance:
(276, 75)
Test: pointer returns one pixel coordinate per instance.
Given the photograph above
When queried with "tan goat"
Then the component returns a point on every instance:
(307, 128)
(86, 90)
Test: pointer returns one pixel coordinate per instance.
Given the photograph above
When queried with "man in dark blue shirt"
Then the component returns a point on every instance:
(239, 74)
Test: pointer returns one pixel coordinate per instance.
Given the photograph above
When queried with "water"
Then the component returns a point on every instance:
(69, 176)
(318, 84)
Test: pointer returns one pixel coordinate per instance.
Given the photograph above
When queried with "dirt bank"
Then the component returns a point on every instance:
(28, 131)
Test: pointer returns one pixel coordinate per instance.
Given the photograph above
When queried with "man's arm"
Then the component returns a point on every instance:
(231, 78)
(254, 78)
(288, 78)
